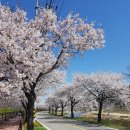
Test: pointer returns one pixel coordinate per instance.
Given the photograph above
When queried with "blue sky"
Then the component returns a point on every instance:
(114, 16)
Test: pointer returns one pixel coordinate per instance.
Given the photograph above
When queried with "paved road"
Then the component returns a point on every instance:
(58, 123)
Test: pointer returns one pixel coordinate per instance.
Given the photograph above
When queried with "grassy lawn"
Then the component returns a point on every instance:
(114, 120)
(7, 110)
(37, 126)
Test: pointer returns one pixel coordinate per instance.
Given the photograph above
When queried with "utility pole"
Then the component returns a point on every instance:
(36, 7)
(55, 5)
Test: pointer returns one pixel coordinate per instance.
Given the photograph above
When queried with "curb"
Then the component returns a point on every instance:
(43, 125)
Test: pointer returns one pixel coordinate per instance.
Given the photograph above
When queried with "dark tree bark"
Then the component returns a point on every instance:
(73, 102)
(56, 111)
(4, 78)
(30, 125)
(2, 115)
(63, 105)
(49, 110)
(52, 110)
(62, 110)
(100, 111)
(30, 112)
(5, 117)
(25, 113)
(72, 110)
(29, 107)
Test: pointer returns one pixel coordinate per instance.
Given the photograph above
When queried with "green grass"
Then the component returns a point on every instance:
(120, 124)
(7, 110)
(113, 122)
(119, 120)
(37, 126)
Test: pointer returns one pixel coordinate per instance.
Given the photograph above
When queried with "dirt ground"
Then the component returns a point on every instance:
(11, 124)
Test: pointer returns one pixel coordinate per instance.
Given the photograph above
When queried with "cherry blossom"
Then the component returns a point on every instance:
(32, 49)
(104, 87)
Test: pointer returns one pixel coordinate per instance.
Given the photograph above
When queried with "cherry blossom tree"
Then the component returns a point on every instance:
(50, 104)
(102, 86)
(9, 98)
(75, 96)
(31, 49)
(39, 104)
(56, 104)
(66, 96)
(62, 97)
(57, 100)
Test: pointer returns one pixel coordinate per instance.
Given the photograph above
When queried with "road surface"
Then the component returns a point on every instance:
(58, 123)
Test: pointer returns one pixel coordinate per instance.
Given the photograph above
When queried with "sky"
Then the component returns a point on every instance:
(113, 16)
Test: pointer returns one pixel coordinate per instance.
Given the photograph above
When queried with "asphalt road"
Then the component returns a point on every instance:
(58, 123)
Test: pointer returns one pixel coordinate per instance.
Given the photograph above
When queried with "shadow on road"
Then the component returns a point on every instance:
(61, 120)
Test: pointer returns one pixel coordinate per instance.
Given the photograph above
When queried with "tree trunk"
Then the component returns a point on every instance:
(2, 115)
(52, 111)
(72, 110)
(5, 117)
(30, 118)
(56, 111)
(100, 112)
(29, 107)
(62, 111)
(49, 110)
(26, 115)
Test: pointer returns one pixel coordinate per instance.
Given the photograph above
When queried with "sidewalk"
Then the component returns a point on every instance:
(11, 124)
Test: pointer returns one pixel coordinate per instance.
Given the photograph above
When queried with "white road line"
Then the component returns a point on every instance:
(43, 125)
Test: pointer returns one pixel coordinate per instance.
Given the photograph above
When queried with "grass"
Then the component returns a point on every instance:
(115, 120)
(58, 113)
(7, 110)
(119, 120)
(37, 126)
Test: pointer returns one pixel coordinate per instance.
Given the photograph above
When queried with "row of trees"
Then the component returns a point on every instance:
(33, 52)
(88, 91)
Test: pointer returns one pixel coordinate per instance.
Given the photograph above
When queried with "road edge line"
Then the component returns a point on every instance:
(43, 124)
